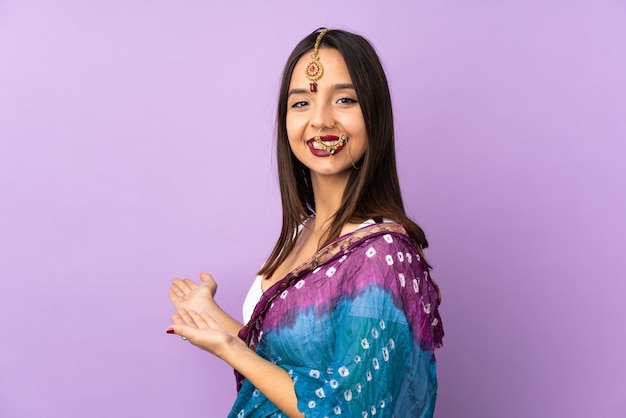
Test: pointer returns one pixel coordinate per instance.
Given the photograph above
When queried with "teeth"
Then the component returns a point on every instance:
(327, 143)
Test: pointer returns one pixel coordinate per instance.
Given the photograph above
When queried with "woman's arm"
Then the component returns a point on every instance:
(203, 331)
(189, 295)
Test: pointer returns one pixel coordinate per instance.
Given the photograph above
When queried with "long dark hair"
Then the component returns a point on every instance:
(373, 190)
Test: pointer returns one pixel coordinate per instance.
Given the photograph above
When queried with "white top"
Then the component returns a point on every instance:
(254, 294)
(252, 298)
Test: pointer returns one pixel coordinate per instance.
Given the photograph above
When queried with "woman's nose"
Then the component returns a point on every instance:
(322, 116)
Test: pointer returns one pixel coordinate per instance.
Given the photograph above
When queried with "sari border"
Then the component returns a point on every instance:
(341, 244)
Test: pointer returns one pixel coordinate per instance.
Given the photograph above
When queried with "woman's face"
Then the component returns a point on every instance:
(332, 108)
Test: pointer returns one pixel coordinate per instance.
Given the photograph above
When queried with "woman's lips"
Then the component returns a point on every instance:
(328, 140)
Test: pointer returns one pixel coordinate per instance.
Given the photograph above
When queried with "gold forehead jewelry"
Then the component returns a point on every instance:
(330, 149)
(314, 70)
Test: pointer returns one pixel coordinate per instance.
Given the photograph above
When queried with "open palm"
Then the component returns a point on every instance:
(201, 330)
(189, 295)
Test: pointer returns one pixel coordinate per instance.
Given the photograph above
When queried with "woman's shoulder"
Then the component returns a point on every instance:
(350, 227)
(386, 233)
(382, 249)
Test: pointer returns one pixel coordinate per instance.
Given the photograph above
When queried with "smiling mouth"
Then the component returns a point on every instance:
(328, 143)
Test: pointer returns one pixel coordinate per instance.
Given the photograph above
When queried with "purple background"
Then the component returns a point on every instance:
(136, 145)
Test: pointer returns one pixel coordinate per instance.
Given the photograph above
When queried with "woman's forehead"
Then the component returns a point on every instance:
(333, 63)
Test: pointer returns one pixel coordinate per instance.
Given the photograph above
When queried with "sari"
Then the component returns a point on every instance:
(355, 327)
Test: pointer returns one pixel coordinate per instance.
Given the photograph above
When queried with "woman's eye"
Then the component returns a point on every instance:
(299, 104)
(346, 100)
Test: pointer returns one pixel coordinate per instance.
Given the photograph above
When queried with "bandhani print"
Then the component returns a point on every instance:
(355, 327)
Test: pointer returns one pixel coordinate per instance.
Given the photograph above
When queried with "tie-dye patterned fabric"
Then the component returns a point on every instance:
(356, 328)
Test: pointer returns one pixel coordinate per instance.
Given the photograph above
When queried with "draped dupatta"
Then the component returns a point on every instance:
(252, 332)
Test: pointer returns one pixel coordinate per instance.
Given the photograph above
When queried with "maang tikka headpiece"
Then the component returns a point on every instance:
(315, 71)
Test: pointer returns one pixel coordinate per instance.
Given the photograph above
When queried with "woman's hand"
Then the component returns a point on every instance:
(187, 294)
(201, 330)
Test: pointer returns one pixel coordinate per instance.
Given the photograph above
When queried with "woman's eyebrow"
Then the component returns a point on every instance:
(346, 86)
(340, 86)
(297, 91)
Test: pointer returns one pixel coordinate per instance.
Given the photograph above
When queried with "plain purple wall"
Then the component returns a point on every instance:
(136, 145)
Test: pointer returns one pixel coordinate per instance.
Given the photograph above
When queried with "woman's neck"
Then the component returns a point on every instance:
(328, 193)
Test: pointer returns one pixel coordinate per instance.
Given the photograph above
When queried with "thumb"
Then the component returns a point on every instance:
(176, 329)
(205, 276)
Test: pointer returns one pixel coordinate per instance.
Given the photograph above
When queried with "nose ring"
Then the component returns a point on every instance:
(330, 149)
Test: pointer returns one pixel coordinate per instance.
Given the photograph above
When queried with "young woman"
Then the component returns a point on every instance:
(342, 319)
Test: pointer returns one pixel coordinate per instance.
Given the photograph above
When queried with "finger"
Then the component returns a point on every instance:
(205, 276)
(191, 318)
(181, 285)
(173, 286)
(174, 296)
(177, 319)
(175, 292)
(191, 284)
(210, 321)
(178, 330)
(184, 315)
(199, 320)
